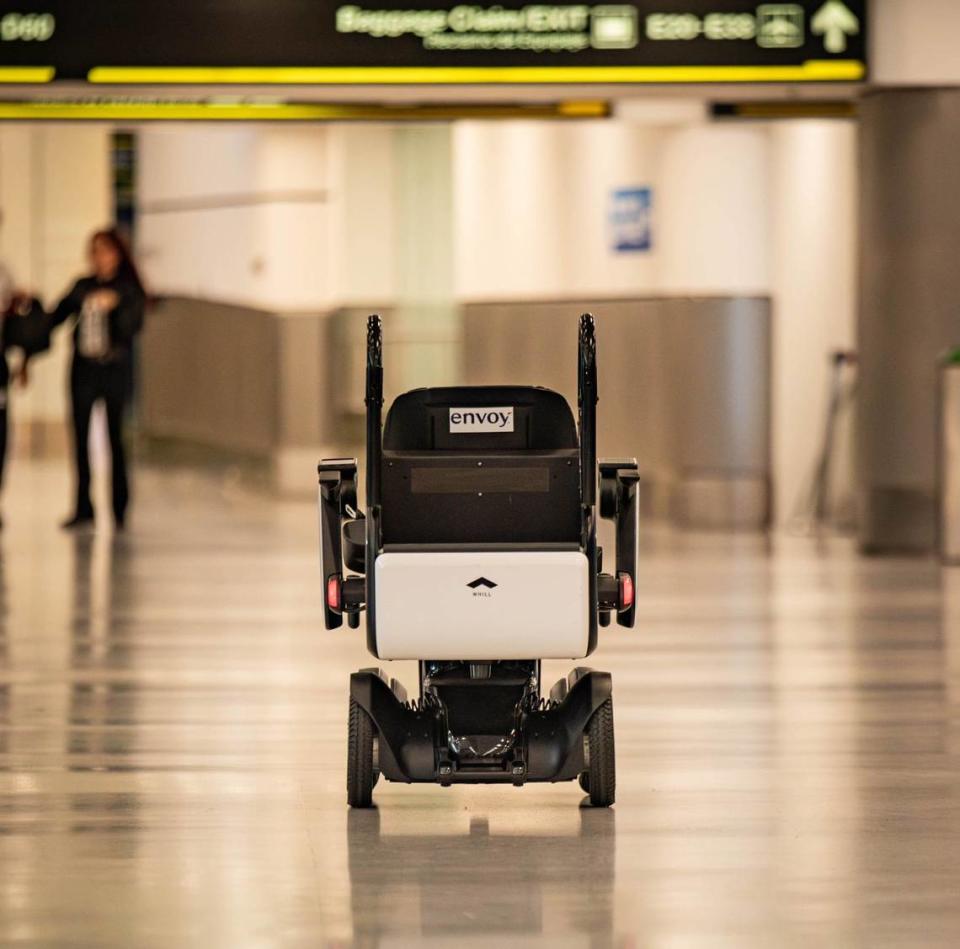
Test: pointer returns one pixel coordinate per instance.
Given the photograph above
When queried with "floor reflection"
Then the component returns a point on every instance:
(5, 701)
(99, 705)
(481, 884)
(172, 742)
(102, 583)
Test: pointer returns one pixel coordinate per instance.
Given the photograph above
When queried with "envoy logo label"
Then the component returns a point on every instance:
(494, 419)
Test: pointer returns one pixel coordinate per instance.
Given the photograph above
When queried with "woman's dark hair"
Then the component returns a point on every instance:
(127, 268)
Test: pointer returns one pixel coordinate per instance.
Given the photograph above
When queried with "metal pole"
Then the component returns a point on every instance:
(950, 458)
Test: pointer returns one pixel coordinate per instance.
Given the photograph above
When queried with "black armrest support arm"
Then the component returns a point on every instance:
(338, 497)
(619, 481)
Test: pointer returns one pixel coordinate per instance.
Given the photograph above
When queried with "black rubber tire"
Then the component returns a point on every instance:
(362, 775)
(602, 775)
(584, 781)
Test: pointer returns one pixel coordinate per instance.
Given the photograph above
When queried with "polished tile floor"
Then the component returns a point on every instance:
(172, 743)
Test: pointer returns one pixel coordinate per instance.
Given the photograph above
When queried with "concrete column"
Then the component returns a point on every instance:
(363, 217)
(909, 306)
(813, 203)
(509, 226)
(714, 233)
(712, 212)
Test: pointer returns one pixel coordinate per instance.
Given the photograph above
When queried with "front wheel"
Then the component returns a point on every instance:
(600, 778)
(362, 773)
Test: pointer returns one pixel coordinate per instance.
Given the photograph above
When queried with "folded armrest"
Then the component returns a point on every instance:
(338, 496)
(619, 479)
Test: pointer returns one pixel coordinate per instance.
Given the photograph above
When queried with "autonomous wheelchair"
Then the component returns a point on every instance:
(477, 556)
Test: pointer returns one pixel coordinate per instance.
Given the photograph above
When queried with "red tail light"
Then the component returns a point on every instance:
(626, 591)
(333, 592)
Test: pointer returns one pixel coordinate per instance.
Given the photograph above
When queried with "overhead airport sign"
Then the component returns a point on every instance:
(399, 41)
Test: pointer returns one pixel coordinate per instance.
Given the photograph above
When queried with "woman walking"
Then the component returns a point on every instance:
(108, 306)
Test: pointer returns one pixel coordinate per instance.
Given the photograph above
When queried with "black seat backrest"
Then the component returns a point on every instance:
(471, 419)
(483, 465)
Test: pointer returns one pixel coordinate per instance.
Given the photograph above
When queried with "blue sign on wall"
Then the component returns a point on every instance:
(630, 219)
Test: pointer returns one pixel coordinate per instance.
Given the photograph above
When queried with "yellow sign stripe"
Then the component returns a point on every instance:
(843, 70)
(575, 109)
(26, 74)
(238, 112)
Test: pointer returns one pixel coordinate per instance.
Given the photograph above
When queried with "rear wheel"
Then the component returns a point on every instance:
(362, 773)
(600, 778)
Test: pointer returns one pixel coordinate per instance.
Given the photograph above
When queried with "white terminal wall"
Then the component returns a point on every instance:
(54, 192)
(301, 218)
(534, 198)
(236, 214)
(738, 210)
(530, 212)
(287, 218)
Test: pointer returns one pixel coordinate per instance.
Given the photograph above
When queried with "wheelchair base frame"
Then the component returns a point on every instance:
(413, 740)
